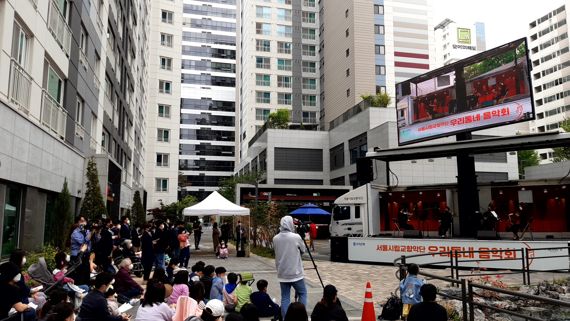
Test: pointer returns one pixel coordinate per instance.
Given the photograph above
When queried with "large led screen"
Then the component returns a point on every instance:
(486, 90)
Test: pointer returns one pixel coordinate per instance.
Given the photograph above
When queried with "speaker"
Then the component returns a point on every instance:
(487, 235)
(364, 171)
(413, 234)
(339, 249)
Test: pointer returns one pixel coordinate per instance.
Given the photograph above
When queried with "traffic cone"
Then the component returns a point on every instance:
(368, 313)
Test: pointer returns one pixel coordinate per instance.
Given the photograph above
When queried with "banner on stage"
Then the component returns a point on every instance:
(502, 254)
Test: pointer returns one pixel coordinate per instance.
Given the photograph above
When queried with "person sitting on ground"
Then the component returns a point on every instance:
(262, 301)
(296, 312)
(63, 311)
(159, 275)
(410, 288)
(112, 302)
(197, 272)
(125, 286)
(153, 307)
(197, 293)
(18, 257)
(209, 273)
(59, 275)
(56, 296)
(214, 311)
(329, 308)
(230, 299)
(172, 269)
(180, 287)
(94, 306)
(218, 284)
(10, 296)
(249, 312)
(243, 291)
(428, 307)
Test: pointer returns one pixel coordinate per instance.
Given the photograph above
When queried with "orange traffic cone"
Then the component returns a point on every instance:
(368, 313)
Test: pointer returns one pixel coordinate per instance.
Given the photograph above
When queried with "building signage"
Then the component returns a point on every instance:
(502, 254)
(464, 35)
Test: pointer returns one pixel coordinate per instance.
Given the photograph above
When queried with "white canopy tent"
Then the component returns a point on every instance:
(216, 204)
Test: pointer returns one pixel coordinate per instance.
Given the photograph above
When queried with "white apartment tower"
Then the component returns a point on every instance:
(279, 64)
(550, 56)
(457, 40)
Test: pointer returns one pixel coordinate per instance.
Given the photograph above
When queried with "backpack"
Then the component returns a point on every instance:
(392, 309)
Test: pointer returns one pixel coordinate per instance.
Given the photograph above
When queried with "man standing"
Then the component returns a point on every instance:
(79, 236)
(197, 228)
(240, 231)
(289, 247)
(125, 229)
(428, 309)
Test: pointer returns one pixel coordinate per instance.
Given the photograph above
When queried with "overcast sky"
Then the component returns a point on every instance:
(505, 20)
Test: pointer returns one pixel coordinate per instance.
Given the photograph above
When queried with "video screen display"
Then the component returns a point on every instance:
(486, 90)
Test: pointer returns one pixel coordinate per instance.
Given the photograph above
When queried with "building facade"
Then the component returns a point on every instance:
(550, 56)
(278, 67)
(68, 95)
(455, 41)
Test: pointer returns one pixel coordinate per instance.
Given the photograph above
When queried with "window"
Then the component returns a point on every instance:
(162, 159)
(337, 157)
(263, 28)
(309, 3)
(284, 1)
(309, 83)
(163, 135)
(262, 45)
(83, 40)
(283, 14)
(380, 69)
(380, 89)
(262, 80)
(309, 50)
(284, 81)
(54, 85)
(309, 66)
(262, 97)
(165, 39)
(284, 31)
(261, 114)
(378, 9)
(263, 62)
(347, 52)
(348, 92)
(379, 29)
(163, 111)
(79, 110)
(284, 64)
(348, 72)
(347, 32)
(284, 47)
(380, 50)
(165, 87)
(161, 184)
(309, 33)
(166, 16)
(165, 63)
(309, 100)
(357, 147)
(310, 117)
(20, 45)
(263, 12)
(308, 17)
(284, 99)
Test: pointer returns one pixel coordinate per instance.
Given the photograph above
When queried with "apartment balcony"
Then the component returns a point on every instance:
(108, 106)
(20, 86)
(58, 27)
(53, 115)
(83, 60)
(80, 131)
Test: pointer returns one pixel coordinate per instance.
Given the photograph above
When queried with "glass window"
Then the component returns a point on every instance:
(284, 47)
(79, 110)
(165, 87)
(161, 184)
(284, 1)
(163, 111)
(379, 29)
(380, 69)
(165, 63)
(341, 213)
(284, 31)
(162, 159)
(263, 12)
(262, 45)
(308, 17)
(284, 81)
(309, 33)
(284, 64)
(83, 40)
(263, 28)
(262, 80)
(20, 45)
(309, 66)
(167, 16)
(262, 114)
(378, 9)
(263, 62)
(11, 222)
(163, 135)
(166, 39)
(380, 50)
(54, 85)
(309, 3)
(310, 117)
(262, 97)
(309, 100)
(309, 50)
(284, 99)
(283, 14)
(309, 83)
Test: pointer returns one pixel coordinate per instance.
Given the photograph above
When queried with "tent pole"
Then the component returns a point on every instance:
(249, 235)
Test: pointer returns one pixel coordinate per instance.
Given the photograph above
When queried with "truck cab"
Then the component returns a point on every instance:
(346, 220)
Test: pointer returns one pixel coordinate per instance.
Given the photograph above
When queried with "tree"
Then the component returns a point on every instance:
(60, 223)
(378, 100)
(228, 186)
(527, 158)
(93, 205)
(138, 212)
(562, 153)
(278, 119)
(173, 211)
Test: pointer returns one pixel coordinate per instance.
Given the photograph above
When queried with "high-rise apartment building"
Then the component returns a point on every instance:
(278, 67)
(72, 87)
(550, 56)
(457, 40)
(163, 110)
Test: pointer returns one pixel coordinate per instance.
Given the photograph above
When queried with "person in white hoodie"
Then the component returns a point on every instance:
(289, 247)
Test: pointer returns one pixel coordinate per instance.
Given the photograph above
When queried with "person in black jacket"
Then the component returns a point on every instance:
(329, 308)
(125, 231)
(262, 301)
(104, 247)
(147, 258)
(428, 309)
(94, 305)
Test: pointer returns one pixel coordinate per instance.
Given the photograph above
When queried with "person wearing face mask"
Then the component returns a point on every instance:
(147, 248)
(104, 247)
(94, 306)
(79, 236)
(10, 295)
(125, 286)
(125, 230)
(18, 257)
(161, 243)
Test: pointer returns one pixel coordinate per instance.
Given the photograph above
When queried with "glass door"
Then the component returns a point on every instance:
(11, 224)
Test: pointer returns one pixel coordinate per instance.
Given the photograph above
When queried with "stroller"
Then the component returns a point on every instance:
(124, 252)
(39, 272)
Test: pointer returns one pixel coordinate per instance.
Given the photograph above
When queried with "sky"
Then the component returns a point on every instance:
(505, 20)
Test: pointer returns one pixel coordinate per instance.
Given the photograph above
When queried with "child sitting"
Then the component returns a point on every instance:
(230, 299)
(223, 250)
(243, 290)
(112, 303)
(59, 275)
(265, 306)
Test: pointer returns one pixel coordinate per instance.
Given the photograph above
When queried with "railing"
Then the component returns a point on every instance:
(20, 86)
(59, 28)
(53, 115)
(83, 60)
(80, 131)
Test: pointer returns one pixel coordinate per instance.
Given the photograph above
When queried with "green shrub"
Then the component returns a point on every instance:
(48, 252)
(263, 251)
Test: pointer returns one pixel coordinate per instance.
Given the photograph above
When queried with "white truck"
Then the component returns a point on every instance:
(357, 213)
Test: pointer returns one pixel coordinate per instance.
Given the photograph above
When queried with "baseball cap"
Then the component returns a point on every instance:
(216, 307)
